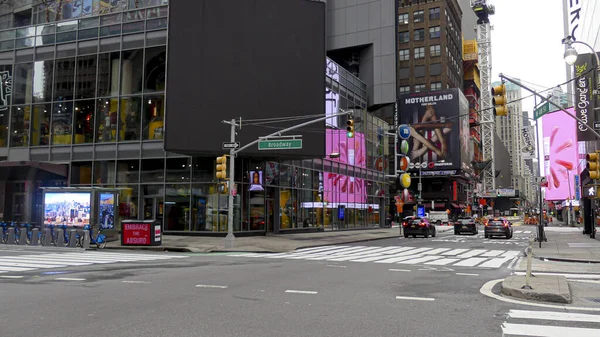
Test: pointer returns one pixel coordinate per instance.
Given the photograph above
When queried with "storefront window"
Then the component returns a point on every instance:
(42, 81)
(20, 120)
(202, 208)
(178, 170)
(62, 123)
(40, 125)
(131, 108)
(84, 122)
(104, 173)
(132, 62)
(22, 91)
(177, 207)
(106, 119)
(154, 70)
(202, 169)
(128, 171)
(154, 111)
(86, 77)
(128, 202)
(108, 74)
(153, 170)
(81, 173)
(152, 202)
(64, 79)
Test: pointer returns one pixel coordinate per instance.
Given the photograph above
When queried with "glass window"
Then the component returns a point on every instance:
(128, 171)
(81, 173)
(20, 118)
(177, 207)
(153, 170)
(435, 50)
(419, 87)
(419, 16)
(131, 111)
(404, 89)
(84, 122)
(108, 68)
(104, 172)
(154, 70)
(434, 13)
(106, 119)
(86, 77)
(419, 52)
(128, 202)
(22, 92)
(420, 71)
(404, 54)
(62, 123)
(203, 170)
(154, 111)
(4, 128)
(178, 170)
(403, 37)
(434, 32)
(131, 71)
(42, 81)
(403, 19)
(64, 79)
(419, 34)
(436, 86)
(40, 125)
(435, 69)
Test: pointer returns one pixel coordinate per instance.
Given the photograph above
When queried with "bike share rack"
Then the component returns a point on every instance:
(17, 234)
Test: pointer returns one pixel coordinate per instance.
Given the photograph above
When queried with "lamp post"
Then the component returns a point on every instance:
(571, 54)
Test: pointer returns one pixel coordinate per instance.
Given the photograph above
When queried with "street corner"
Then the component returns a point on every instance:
(544, 288)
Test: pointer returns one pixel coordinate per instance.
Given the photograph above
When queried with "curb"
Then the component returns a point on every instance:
(155, 249)
(560, 259)
(563, 297)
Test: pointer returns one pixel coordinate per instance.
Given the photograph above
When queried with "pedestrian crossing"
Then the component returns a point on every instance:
(550, 324)
(460, 257)
(26, 263)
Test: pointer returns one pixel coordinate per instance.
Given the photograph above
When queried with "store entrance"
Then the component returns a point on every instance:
(270, 215)
(153, 208)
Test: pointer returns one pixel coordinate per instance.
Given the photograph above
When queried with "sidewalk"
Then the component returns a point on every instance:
(568, 244)
(272, 243)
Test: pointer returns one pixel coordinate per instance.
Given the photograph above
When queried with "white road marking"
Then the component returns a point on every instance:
(306, 292)
(398, 259)
(415, 298)
(137, 282)
(69, 279)
(4, 269)
(335, 266)
(420, 260)
(554, 316)
(511, 253)
(210, 286)
(569, 276)
(401, 270)
(467, 274)
(11, 276)
(436, 251)
(547, 330)
(586, 281)
(493, 253)
(472, 253)
(455, 251)
(470, 262)
(514, 262)
(442, 262)
(495, 263)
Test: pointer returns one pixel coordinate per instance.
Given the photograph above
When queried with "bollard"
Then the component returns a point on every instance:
(47, 237)
(72, 238)
(529, 257)
(60, 237)
(85, 240)
(34, 237)
(22, 236)
(11, 236)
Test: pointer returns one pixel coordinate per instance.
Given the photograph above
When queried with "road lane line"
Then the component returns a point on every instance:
(69, 279)
(554, 316)
(137, 282)
(210, 286)
(11, 276)
(402, 270)
(415, 298)
(3, 269)
(467, 274)
(305, 292)
(335, 266)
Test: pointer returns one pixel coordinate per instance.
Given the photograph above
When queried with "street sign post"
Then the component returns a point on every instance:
(541, 110)
(231, 145)
(280, 144)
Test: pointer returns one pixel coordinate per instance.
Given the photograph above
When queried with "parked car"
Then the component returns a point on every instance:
(498, 227)
(418, 226)
(465, 225)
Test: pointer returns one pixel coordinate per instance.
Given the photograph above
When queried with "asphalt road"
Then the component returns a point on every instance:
(164, 294)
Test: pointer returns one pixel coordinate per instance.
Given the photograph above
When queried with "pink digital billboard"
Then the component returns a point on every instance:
(340, 188)
(560, 154)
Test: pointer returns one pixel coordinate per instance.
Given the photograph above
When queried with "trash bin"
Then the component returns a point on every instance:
(141, 233)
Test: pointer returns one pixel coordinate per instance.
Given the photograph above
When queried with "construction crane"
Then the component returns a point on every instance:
(487, 119)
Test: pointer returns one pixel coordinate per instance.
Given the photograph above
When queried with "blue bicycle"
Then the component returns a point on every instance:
(5, 227)
(99, 240)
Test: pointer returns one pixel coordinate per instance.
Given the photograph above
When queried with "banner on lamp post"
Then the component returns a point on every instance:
(584, 100)
(528, 142)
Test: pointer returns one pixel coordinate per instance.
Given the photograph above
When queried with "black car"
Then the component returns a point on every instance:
(465, 225)
(498, 227)
(418, 226)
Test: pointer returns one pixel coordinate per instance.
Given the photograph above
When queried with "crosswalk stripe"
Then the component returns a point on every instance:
(455, 251)
(29, 265)
(518, 232)
(527, 232)
(436, 251)
(399, 258)
(547, 330)
(398, 250)
(554, 316)
(420, 259)
(367, 253)
(495, 263)
(5, 269)
(350, 250)
(510, 253)
(472, 253)
(493, 253)
(321, 249)
(45, 261)
(442, 262)
(471, 262)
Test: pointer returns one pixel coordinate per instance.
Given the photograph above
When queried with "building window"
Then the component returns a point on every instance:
(434, 13)
(419, 16)
(404, 54)
(419, 87)
(419, 53)
(434, 32)
(419, 34)
(436, 86)
(435, 50)
(403, 37)
(404, 89)
(403, 19)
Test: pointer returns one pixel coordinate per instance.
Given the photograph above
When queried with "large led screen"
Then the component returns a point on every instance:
(65, 208)
(560, 154)
(251, 59)
(340, 188)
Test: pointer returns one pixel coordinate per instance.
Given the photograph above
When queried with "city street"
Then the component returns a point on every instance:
(69, 292)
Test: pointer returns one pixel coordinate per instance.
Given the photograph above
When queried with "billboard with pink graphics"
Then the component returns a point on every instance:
(340, 188)
(560, 154)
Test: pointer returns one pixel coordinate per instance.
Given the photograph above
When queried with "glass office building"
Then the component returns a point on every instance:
(82, 103)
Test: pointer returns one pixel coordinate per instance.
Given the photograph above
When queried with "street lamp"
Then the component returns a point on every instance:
(571, 54)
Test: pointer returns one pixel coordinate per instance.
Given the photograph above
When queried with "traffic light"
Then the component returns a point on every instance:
(350, 127)
(221, 172)
(499, 100)
(593, 164)
(223, 188)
